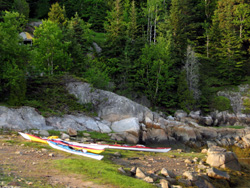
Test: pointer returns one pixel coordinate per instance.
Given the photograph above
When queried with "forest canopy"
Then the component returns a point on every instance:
(174, 53)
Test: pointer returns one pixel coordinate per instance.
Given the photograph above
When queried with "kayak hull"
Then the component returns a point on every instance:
(72, 151)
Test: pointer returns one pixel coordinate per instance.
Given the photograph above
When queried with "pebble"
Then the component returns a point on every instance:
(44, 150)
(188, 161)
(172, 156)
(51, 155)
(18, 152)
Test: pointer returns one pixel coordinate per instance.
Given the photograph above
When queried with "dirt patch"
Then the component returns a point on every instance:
(29, 167)
(33, 167)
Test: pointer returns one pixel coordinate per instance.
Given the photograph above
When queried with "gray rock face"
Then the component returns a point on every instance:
(110, 106)
(219, 157)
(179, 114)
(126, 125)
(195, 115)
(78, 122)
(22, 118)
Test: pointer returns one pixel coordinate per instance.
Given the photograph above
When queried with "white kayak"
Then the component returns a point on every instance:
(132, 148)
(73, 151)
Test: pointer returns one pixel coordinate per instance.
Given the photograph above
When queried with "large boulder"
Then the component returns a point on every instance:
(79, 122)
(217, 174)
(246, 140)
(186, 133)
(179, 114)
(109, 106)
(126, 125)
(21, 118)
(219, 157)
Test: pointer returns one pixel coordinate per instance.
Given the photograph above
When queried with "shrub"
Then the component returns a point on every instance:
(221, 103)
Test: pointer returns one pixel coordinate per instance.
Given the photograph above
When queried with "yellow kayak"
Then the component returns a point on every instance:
(44, 141)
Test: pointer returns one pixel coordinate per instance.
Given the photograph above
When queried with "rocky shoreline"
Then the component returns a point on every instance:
(213, 167)
(125, 120)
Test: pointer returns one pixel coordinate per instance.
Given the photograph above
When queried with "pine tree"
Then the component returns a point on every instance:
(227, 41)
(115, 25)
(178, 24)
(57, 14)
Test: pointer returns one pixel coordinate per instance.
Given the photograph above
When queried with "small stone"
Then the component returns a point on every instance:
(204, 151)
(64, 136)
(167, 173)
(86, 134)
(51, 155)
(117, 154)
(180, 150)
(140, 173)
(190, 175)
(44, 150)
(196, 159)
(148, 179)
(188, 161)
(72, 132)
(121, 170)
(172, 156)
(34, 163)
(18, 152)
(201, 166)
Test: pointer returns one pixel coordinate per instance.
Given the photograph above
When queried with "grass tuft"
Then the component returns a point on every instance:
(102, 172)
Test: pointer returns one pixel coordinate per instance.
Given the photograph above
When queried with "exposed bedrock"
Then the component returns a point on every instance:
(128, 121)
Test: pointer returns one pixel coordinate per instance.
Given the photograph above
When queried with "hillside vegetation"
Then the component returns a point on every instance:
(176, 53)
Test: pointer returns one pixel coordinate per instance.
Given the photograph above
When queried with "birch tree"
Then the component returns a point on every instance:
(192, 73)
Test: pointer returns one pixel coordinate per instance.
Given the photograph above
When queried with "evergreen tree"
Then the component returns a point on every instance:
(57, 14)
(178, 25)
(78, 33)
(115, 25)
(227, 42)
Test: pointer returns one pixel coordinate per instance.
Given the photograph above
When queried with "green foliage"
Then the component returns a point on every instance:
(22, 7)
(154, 75)
(50, 52)
(97, 77)
(54, 133)
(14, 57)
(221, 103)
